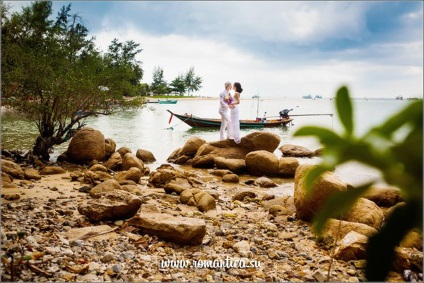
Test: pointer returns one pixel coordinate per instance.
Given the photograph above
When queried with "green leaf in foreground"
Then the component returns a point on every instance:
(344, 109)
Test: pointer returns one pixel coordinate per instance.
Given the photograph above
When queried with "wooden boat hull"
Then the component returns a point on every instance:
(194, 121)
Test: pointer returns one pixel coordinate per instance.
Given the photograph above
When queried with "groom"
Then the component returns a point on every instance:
(224, 96)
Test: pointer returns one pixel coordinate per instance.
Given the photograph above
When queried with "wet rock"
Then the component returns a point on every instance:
(172, 187)
(234, 165)
(230, 178)
(219, 172)
(265, 182)
(130, 160)
(262, 162)
(12, 196)
(240, 195)
(287, 166)
(182, 230)
(295, 151)
(145, 156)
(95, 177)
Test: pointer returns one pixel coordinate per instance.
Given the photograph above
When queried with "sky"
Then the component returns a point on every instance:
(273, 48)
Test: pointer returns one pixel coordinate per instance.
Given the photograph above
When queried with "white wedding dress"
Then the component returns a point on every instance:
(235, 124)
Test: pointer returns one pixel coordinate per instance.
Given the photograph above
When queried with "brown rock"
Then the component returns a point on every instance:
(366, 212)
(114, 162)
(95, 178)
(230, 178)
(308, 204)
(201, 199)
(383, 196)
(240, 195)
(111, 205)
(261, 163)
(86, 145)
(130, 160)
(191, 146)
(339, 228)
(412, 240)
(52, 170)
(287, 166)
(353, 246)
(98, 167)
(234, 165)
(123, 150)
(31, 174)
(145, 156)
(182, 230)
(265, 182)
(12, 169)
(295, 151)
(109, 185)
(110, 147)
(133, 174)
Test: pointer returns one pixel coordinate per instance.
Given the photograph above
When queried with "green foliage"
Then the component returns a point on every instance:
(159, 85)
(192, 82)
(53, 74)
(178, 85)
(398, 159)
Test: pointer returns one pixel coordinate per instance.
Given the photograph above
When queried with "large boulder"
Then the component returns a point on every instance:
(338, 229)
(130, 160)
(255, 141)
(111, 205)
(295, 150)
(182, 230)
(234, 165)
(262, 162)
(287, 166)
(191, 146)
(12, 169)
(87, 145)
(308, 203)
(383, 196)
(145, 156)
(366, 212)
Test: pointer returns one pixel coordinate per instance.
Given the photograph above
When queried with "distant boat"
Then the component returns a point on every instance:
(198, 122)
(318, 96)
(400, 97)
(307, 96)
(167, 101)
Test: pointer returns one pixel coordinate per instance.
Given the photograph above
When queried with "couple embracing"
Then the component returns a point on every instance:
(230, 123)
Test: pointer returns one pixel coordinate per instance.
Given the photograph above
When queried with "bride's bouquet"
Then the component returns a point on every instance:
(228, 99)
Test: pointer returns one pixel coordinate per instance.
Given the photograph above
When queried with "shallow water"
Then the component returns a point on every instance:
(149, 128)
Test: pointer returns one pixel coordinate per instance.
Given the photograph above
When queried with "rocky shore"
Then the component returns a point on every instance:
(214, 212)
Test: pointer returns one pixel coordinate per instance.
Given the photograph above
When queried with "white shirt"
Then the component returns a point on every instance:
(223, 105)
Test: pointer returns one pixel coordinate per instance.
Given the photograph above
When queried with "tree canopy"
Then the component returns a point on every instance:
(53, 74)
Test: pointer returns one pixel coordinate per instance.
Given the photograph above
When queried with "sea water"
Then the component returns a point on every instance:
(151, 128)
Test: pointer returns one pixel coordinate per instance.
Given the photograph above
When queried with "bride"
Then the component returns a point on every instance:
(235, 120)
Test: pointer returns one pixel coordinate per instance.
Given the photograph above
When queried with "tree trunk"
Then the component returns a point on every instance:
(42, 148)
